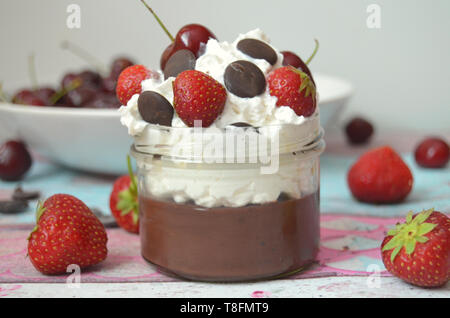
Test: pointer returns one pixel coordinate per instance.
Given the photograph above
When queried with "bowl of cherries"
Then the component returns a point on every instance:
(76, 124)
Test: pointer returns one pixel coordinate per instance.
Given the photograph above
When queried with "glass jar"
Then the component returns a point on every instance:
(208, 218)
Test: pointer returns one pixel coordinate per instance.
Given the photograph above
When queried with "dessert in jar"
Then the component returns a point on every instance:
(227, 147)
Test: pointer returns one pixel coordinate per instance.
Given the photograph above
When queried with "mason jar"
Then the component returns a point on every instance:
(233, 204)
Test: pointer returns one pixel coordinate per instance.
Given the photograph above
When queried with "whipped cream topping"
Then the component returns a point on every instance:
(208, 185)
(257, 111)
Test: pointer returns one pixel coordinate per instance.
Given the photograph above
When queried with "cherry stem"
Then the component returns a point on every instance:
(85, 56)
(314, 53)
(159, 21)
(59, 94)
(3, 97)
(32, 71)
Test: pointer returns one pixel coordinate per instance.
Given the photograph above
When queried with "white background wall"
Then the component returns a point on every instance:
(401, 72)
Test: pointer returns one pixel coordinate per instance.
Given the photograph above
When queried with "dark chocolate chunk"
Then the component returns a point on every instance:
(155, 108)
(19, 194)
(241, 124)
(106, 219)
(283, 197)
(244, 79)
(13, 206)
(180, 61)
(258, 50)
(244, 126)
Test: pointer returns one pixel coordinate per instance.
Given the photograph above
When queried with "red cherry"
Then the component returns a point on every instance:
(290, 58)
(79, 96)
(109, 85)
(91, 78)
(103, 100)
(15, 160)
(358, 130)
(432, 153)
(28, 97)
(165, 56)
(118, 65)
(45, 94)
(85, 78)
(191, 37)
(69, 79)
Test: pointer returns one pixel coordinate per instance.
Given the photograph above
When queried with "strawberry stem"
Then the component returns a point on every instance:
(409, 233)
(159, 21)
(39, 211)
(32, 71)
(306, 84)
(131, 173)
(128, 198)
(314, 53)
(85, 56)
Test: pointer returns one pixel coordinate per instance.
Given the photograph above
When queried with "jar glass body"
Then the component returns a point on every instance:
(229, 221)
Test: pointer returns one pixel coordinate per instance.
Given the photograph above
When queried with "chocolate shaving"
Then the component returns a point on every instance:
(20, 195)
(13, 206)
(107, 220)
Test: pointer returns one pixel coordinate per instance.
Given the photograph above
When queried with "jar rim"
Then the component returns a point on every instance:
(316, 146)
(179, 141)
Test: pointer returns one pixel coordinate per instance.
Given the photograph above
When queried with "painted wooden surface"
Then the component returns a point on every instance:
(350, 236)
(316, 287)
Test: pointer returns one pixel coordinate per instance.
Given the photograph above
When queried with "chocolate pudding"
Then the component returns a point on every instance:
(230, 244)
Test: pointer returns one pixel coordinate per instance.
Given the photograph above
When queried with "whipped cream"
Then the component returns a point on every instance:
(210, 185)
(257, 111)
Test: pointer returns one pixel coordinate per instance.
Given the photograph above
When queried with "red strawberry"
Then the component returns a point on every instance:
(123, 201)
(198, 96)
(66, 233)
(129, 82)
(293, 88)
(418, 251)
(380, 176)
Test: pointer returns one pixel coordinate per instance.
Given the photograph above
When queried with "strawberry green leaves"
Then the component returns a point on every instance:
(128, 198)
(40, 209)
(418, 250)
(409, 233)
(306, 83)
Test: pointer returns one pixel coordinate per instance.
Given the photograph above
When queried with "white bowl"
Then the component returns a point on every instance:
(334, 93)
(87, 139)
(94, 140)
